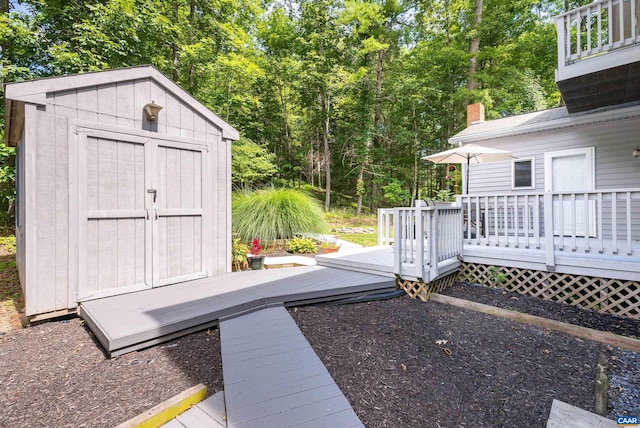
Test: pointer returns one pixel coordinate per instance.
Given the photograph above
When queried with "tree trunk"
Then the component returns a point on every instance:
(325, 135)
(377, 119)
(359, 190)
(192, 13)
(174, 46)
(474, 48)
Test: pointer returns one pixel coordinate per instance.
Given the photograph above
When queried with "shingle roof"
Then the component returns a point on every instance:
(540, 121)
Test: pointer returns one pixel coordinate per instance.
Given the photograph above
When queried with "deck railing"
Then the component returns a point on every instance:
(603, 221)
(598, 27)
(422, 237)
(385, 221)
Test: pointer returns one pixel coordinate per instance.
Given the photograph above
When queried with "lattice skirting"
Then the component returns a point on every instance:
(422, 290)
(613, 296)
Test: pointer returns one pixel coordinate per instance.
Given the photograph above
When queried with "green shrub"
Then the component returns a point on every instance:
(276, 214)
(239, 253)
(301, 246)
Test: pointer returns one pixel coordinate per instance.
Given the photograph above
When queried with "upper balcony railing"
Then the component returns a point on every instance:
(599, 27)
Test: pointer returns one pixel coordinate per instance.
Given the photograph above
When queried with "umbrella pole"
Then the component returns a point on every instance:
(467, 187)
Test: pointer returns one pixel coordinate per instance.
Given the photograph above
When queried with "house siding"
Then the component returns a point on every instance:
(48, 263)
(614, 142)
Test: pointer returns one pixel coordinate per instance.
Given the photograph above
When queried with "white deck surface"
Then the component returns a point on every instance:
(132, 321)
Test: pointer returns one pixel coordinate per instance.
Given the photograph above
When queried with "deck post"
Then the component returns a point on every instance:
(381, 223)
(550, 260)
(419, 256)
(397, 242)
(433, 243)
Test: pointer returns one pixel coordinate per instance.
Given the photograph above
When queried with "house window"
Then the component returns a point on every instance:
(522, 171)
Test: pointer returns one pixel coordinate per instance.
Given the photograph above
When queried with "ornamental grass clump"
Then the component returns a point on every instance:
(272, 214)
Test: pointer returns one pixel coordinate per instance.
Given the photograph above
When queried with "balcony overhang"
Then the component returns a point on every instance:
(605, 87)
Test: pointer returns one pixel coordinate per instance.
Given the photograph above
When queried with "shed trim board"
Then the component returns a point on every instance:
(35, 91)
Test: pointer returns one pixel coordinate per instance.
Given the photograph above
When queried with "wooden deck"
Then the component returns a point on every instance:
(273, 378)
(132, 321)
(379, 260)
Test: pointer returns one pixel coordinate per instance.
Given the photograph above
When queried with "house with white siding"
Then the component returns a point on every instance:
(562, 220)
(123, 184)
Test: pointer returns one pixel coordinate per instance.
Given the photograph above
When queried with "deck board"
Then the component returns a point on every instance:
(131, 321)
(281, 385)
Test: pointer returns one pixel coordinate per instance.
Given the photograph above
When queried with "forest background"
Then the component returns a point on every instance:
(343, 96)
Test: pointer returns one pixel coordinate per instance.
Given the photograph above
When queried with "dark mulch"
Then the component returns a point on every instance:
(545, 308)
(491, 372)
(56, 375)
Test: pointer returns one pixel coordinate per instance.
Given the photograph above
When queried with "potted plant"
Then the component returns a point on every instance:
(256, 261)
(329, 246)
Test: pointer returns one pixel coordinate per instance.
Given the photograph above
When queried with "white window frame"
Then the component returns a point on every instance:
(513, 174)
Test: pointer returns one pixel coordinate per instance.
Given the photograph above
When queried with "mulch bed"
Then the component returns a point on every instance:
(387, 358)
(56, 375)
(546, 308)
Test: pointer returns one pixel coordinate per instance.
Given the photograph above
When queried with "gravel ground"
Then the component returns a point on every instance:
(56, 375)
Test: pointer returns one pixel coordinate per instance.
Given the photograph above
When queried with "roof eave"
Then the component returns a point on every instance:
(609, 115)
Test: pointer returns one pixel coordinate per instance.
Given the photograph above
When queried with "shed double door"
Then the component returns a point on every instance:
(141, 213)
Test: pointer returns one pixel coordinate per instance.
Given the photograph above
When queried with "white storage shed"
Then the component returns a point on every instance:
(111, 199)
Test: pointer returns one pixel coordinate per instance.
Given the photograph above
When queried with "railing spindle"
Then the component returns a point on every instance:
(600, 231)
(614, 223)
(629, 242)
(587, 222)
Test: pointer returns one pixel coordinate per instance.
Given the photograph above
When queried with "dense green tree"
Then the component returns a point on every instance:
(347, 95)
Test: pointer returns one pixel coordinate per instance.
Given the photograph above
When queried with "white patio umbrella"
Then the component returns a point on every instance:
(470, 153)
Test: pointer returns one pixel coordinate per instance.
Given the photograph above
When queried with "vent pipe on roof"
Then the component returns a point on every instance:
(475, 113)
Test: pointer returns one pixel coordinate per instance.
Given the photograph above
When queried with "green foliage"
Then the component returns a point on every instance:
(9, 243)
(276, 214)
(300, 245)
(239, 251)
(385, 81)
(251, 164)
(396, 193)
(496, 276)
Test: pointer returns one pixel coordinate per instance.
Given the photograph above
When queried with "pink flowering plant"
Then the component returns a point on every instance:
(255, 247)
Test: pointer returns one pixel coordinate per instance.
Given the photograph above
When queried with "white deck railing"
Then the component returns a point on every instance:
(598, 27)
(385, 221)
(422, 237)
(603, 221)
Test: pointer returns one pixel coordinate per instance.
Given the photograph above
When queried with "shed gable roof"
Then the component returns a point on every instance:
(540, 121)
(35, 91)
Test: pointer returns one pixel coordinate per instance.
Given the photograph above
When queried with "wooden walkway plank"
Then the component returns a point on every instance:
(282, 384)
(563, 415)
(195, 417)
(127, 322)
